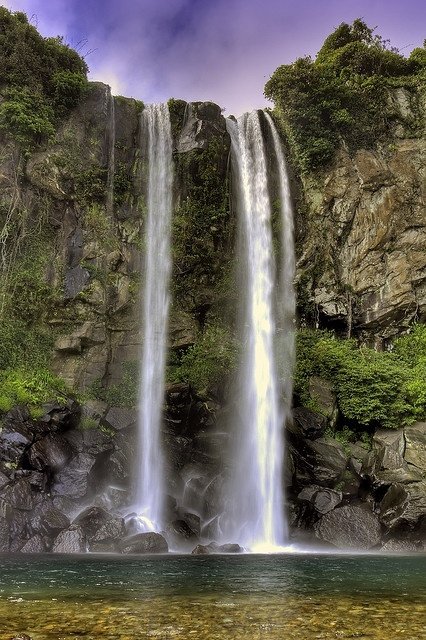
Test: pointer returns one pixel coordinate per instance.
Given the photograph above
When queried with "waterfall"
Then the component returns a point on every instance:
(150, 480)
(255, 502)
(286, 299)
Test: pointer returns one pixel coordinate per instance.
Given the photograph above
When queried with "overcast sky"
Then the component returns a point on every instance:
(219, 50)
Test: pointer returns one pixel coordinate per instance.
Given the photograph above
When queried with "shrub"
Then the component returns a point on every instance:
(343, 93)
(386, 388)
(29, 386)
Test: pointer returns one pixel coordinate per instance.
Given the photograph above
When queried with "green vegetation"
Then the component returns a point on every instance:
(122, 394)
(342, 94)
(41, 79)
(372, 388)
(208, 362)
(200, 223)
(177, 111)
(31, 387)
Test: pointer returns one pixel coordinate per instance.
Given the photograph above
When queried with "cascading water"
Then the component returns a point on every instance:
(150, 480)
(286, 298)
(255, 501)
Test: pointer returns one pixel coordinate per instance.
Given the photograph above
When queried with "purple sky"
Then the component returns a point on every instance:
(220, 50)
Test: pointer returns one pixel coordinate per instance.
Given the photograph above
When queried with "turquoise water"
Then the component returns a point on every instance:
(247, 596)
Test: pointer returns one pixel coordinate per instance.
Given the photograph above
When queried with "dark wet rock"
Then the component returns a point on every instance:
(307, 423)
(52, 452)
(75, 281)
(118, 418)
(415, 448)
(100, 527)
(321, 461)
(96, 441)
(118, 464)
(193, 521)
(180, 534)
(322, 393)
(19, 495)
(323, 500)
(350, 527)
(404, 506)
(4, 535)
(36, 479)
(71, 540)
(4, 480)
(392, 439)
(144, 543)
(14, 441)
(358, 451)
(201, 550)
(34, 545)
(113, 498)
(49, 520)
(399, 546)
(73, 481)
(230, 548)
(62, 417)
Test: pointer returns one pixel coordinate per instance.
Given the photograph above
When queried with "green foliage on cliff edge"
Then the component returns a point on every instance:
(372, 388)
(342, 94)
(41, 79)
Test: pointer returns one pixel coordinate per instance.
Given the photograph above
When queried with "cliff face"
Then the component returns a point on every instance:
(78, 209)
(362, 248)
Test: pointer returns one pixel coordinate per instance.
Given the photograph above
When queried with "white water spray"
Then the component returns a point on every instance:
(255, 513)
(150, 474)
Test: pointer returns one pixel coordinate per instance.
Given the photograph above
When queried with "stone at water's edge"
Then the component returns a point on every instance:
(350, 527)
(144, 543)
(71, 540)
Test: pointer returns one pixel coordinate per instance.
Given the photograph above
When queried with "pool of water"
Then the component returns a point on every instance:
(300, 597)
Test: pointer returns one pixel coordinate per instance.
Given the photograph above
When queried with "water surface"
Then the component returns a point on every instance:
(301, 597)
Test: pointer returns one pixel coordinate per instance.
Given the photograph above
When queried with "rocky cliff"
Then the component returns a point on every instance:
(72, 214)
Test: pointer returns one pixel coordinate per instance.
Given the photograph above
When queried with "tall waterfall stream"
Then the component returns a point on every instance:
(157, 270)
(255, 501)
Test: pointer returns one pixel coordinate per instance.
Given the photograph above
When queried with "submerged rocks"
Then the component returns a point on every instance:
(144, 543)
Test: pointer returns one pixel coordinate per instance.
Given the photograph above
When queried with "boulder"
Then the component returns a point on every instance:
(392, 439)
(118, 418)
(230, 548)
(193, 521)
(201, 550)
(144, 543)
(71, 540)
(34, 545)
(350, 527)
(14, 441)
(19, 495)
(321, 461)
(49, 521)
(415, 447)
(322, 394)
(180, 534)
(323, 500)
(102, 530)
(52, 453)
(73, 481)
(404, 506)
(4, 535)
(307, 423)
(399, 546)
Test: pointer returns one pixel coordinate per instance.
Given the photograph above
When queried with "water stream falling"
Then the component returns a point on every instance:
(150, 473)
(255, 511)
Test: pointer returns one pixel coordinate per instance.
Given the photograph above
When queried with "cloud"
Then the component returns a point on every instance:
(222, 50)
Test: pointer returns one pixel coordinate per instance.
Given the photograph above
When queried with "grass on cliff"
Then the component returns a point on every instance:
(373, 388)
(344, 94)
(41, 79)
